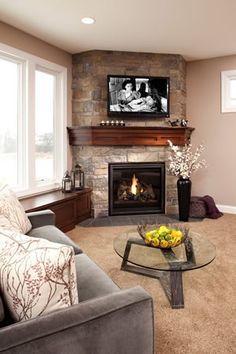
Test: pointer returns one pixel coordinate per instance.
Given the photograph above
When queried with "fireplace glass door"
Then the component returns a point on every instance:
(136, 188)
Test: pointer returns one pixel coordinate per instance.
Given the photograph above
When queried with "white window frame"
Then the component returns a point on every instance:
(227, 105)
(21, 112)
(29, 64)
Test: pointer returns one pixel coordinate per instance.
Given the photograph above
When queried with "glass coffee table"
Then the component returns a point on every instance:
(167, 265)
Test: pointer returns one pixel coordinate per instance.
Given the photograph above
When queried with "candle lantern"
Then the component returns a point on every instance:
(67, 183)
(78, 177)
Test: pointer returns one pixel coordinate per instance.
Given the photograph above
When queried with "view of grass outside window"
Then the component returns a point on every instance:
(9, 82)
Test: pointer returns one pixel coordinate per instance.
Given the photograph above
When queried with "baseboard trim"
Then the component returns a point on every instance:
(227, 208)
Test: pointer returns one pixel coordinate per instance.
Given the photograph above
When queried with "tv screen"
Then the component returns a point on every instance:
(138, 96)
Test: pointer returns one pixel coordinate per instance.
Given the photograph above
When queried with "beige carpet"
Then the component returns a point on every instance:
(207, 324)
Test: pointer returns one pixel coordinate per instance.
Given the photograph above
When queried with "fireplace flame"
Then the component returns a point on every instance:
(134, 185)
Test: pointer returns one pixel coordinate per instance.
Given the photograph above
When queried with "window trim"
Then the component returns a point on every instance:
(226, 103)
(30, 63)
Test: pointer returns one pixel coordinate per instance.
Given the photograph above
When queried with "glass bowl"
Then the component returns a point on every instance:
(163, 236)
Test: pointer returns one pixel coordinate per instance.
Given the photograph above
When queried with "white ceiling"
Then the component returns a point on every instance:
(197, 29)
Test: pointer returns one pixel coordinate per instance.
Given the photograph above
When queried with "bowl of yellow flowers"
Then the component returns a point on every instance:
(163, 236)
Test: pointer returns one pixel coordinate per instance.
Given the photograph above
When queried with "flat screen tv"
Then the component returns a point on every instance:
(138, 96)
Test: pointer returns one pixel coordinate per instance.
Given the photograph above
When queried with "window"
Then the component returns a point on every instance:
(33, 120)
(9, 113)
(44, 126)
(228, 91)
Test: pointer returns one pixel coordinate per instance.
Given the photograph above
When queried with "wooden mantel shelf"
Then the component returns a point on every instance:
(127, 136)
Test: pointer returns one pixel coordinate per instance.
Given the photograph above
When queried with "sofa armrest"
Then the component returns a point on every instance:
(42, 218)
(118, 323)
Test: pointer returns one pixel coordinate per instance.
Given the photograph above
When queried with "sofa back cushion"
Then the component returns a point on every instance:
(12, 214)
(52, 233)
(36, 276)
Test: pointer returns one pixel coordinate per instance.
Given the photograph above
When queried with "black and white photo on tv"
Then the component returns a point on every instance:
(136, 94)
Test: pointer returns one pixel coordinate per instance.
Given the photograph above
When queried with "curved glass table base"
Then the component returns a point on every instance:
(166, 265)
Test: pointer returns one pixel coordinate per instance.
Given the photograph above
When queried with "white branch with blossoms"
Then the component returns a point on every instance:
(183, 162)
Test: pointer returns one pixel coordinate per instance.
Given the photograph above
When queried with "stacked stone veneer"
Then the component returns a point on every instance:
(90, 70)
(95, 163)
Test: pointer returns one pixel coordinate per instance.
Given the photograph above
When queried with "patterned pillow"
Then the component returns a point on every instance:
(36, 276)
(12, 214)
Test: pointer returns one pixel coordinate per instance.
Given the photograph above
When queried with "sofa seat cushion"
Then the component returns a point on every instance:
(36, 276)
(52, 233)
(12, 214)
(92, 280)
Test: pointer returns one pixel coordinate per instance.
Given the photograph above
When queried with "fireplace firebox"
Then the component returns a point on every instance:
(136, 188)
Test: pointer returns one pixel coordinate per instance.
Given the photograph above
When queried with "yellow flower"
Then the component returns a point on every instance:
(155, 242)
(176, 233)
(177, 241)
(152, 233)
(163, 229)
(164, 244)
(171, 242)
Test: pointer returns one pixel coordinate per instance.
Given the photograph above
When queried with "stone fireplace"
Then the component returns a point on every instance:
(90, 70)
(96, 159)
(136, 188)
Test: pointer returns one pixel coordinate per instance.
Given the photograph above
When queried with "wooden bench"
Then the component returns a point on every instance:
(70, 208)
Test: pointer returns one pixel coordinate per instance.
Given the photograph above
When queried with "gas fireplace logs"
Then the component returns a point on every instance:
(135, 191)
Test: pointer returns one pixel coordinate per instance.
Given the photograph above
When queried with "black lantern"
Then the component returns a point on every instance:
(67, 183)
(78, 177)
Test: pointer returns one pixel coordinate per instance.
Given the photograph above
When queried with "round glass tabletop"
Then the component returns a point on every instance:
(196, 252)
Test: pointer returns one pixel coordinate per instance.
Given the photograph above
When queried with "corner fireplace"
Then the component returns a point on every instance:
(136, 188)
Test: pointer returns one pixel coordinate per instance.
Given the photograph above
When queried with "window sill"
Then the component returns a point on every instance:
(37, 191)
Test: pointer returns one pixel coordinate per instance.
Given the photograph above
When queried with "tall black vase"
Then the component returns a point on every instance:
(184, 195)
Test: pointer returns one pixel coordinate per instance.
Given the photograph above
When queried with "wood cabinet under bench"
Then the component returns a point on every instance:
(70, 208)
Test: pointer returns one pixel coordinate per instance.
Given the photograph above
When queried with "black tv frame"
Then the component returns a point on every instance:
(122, 114)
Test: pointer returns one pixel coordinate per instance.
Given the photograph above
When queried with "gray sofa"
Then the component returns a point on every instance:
(107, 320)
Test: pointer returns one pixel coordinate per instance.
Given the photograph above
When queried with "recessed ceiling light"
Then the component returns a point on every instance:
(88, 20)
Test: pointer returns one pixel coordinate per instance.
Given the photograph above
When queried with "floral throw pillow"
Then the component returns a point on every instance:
(12, 214)
(36, 276)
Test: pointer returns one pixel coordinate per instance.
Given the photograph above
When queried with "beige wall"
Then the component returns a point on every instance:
(18, 39)
(216, 130)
